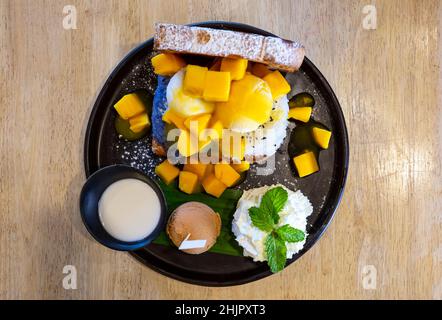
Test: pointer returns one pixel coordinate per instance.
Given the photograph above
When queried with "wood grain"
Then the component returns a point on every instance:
(388, 81)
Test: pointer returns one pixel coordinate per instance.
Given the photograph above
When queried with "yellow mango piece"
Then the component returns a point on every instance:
(241, 167)
(187, 144)
(195, 80)
(260, 70)
(277, 83)
(226, 174)
(141, 118)
(139, 123)
(213, 186)
(306, 164)
(183, 104)
(321, 136)
(167, 172)
(302, 114)
(200, 169)
(249, 105)
(216, 133)
(171, 117)
(138, 127)
(217, 86)
(196, 124)
(129, 106)
(236, 66)
(203, 144)
(166, 64)
(218, 127)
(188, 182)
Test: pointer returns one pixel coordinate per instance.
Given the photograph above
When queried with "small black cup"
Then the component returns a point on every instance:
(91, 194)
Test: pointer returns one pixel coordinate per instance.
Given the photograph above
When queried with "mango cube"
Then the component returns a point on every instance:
(139, 123)
(218, 127)
(236, 66)
(217, 86)
(321, 136)
(277, 83)
(260, 70)
(141, 118)
(137, 127)
(171, 117)
(302, 114)
(188, 182)
(213, 186)
(226, 174)
(203, 144)
(166, 64)
(167, 172)
(250, 105)
(196, 124)
(187, 144)
(195, 80)
(241, 167)
(129, 106)
(200, 169)
(215, 132)
(306, 164)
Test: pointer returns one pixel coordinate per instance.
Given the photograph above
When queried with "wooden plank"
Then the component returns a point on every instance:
(388, 83)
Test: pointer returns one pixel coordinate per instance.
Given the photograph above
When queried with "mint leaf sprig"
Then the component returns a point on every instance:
(265, 217)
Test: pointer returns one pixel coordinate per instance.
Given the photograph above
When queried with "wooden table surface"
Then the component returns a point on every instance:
(385, 241)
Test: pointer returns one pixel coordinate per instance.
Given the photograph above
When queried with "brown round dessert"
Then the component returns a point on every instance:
(196, 219)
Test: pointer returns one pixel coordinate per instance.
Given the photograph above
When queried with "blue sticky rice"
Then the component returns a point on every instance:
(158, 109)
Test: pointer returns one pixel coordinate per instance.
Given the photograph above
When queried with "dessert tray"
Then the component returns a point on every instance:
(224, 263)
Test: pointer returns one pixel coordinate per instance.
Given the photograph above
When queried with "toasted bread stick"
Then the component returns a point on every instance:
(277, 53)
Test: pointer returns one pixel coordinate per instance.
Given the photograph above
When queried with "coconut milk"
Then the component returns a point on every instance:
(129, 210)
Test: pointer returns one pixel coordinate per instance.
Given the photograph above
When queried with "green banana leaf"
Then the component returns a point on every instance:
(225, 206)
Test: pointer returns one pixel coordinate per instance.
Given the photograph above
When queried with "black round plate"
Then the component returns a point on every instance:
(324, 189)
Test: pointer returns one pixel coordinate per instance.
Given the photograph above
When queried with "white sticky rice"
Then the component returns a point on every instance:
(267, 139)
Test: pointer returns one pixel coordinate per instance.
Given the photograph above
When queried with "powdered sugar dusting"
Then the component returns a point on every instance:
(277, 53)
(139, 155)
